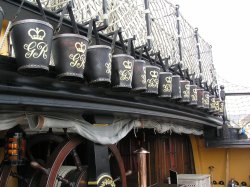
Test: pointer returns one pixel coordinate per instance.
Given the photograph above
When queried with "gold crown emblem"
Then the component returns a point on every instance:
(168, 79)
(127, 64)
(80, 47)
(36, 34)
(154, 74)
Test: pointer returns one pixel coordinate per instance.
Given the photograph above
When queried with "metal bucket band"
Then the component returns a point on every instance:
(31, 21)
(70, 35)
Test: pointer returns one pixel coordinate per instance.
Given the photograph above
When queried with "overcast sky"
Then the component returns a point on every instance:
(225, 25)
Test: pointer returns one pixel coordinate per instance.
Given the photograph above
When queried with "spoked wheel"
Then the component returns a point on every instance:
(39, 150)
(41, 145)
(57, 163)
(60, 174)
(116, 159)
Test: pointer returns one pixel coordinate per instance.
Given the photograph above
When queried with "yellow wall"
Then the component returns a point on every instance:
(228, 163)
(4, 50)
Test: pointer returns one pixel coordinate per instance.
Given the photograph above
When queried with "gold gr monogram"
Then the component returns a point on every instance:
(154, 81)
(143, 76)
(78, 59)
(194, 95)
(217, 105)
(168, 86)
(108, 64)
(212, 103)
(186, 92)
(205, 100)
(37, 48)
(126, 75)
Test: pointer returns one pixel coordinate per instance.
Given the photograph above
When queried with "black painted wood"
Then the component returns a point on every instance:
(98, 159)
(214, 138)
(228, 143)
(19, 92)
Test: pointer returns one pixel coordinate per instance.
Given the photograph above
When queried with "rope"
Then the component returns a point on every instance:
(5, 36)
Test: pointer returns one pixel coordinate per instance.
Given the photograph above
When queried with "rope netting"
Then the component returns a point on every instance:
(152, 22)
(164, 32)
(83, 10)
(129, 15)
(189, 49)
(237, 106)
(126, 14)
(208, 69)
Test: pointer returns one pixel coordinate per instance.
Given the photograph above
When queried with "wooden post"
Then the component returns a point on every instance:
(142, 167)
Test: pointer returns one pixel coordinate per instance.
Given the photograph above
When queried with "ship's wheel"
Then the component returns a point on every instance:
(38, 143)
(39, 150)
(117, 161)
(62, 174)
(64, 170)
(59, 164)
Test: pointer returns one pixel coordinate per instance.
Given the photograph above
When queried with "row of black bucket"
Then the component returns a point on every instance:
(34, 41)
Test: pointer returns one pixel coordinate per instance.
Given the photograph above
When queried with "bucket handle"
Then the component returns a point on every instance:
(148, 55)
(122, 42)
(211, 90)
(114, 34)
(166, 60)
(131, 48)
(114, 40)
(186, 74)
(141, 52)
(92, 28)
(161, 62)
(67, 8)
(192, 79)
(20, 8)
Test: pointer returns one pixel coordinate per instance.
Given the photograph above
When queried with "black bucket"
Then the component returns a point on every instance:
(206, 100)
(1, 19)
(185, 91)
(32, 45)
(211, 103)
(152, 76)
(176, 87)
(122, 71)
(200, 96)
(165, 84)
(98, 65)
(69, 54)
(193, 95)
(221, 108)
(139, 76)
